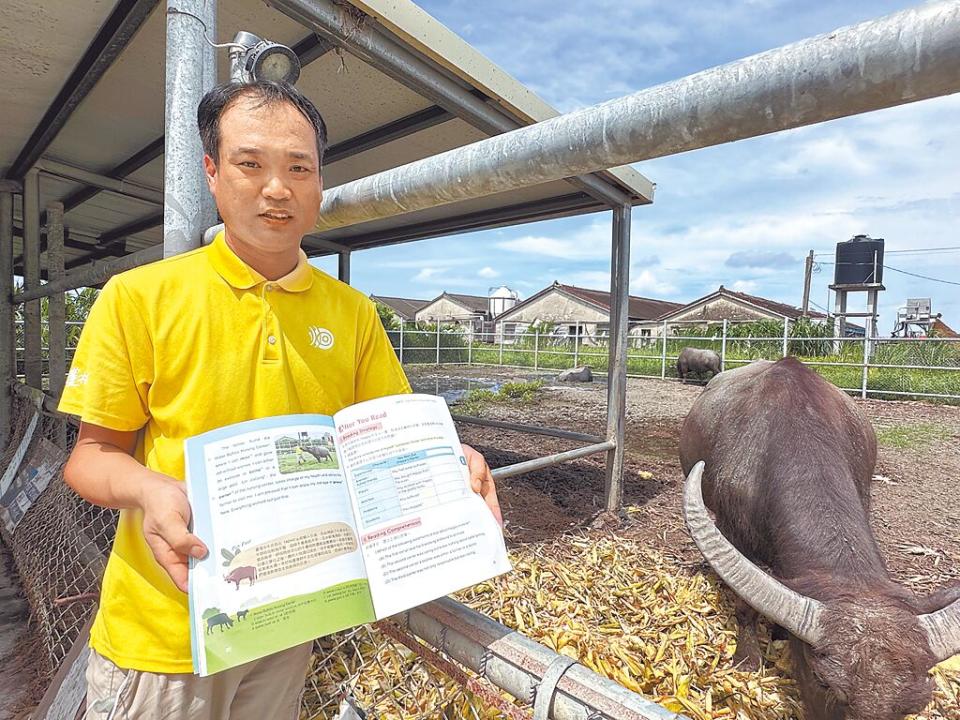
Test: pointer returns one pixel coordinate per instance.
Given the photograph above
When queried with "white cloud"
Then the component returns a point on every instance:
(647, 284)
(426, 273)
(487, 272)
(744, 286)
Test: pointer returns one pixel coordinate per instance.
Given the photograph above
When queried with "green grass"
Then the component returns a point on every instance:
(288, 463)
(912, 436)
(474, 401)
(901, 383)
(278, 625)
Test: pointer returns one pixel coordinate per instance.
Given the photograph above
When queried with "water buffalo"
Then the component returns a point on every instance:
(221, 619)
(697, 362)
(244, 572)
(319, 452)
(785, 461)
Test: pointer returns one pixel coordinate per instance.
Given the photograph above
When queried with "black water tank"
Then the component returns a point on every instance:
(859, 261)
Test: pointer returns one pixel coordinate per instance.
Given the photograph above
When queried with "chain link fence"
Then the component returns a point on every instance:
(60, 543)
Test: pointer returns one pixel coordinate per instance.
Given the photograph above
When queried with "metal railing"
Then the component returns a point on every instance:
(927, 367)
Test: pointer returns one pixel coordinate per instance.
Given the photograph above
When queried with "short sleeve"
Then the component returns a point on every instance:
(379, 372)
(112, 369)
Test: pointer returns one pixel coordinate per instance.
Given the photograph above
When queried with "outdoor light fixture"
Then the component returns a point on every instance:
(254, 59)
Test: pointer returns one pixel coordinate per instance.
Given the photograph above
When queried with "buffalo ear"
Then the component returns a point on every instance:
(937, 600)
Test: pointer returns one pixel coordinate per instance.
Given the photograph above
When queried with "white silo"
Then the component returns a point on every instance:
(501, 299)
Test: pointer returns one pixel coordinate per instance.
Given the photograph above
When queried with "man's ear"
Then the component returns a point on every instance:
(210, 172)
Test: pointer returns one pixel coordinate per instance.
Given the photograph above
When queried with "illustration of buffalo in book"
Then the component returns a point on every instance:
(306, 451)
(288, 553)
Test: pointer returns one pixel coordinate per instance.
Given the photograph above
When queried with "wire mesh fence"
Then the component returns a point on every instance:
(60, 543)
(891, 368)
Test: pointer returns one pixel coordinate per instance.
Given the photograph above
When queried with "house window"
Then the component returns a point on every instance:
(509, 328)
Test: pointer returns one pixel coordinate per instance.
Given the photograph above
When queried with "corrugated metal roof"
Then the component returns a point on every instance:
(406, 308)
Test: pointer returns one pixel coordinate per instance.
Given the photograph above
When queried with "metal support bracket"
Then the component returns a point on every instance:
(548, 686)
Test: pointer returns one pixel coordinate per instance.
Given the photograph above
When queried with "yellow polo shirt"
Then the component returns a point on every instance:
(190, 344)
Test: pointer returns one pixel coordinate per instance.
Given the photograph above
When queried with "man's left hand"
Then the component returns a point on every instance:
(481, 481)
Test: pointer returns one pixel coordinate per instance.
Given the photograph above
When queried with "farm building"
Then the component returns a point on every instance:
(575, 311)
(405, 308)
(720, 305)
(467, 311)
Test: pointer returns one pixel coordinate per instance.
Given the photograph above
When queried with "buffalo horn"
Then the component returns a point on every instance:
(798, 614)
(943, 631)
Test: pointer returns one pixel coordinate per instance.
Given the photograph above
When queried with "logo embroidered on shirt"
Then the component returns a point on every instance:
(75, 377)
(321, 337)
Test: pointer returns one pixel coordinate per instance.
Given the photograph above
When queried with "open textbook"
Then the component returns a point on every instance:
(316, 524)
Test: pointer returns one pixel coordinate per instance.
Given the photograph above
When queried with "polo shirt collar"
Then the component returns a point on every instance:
(243, 277)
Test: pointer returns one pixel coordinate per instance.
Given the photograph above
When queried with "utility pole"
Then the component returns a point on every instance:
(807, 277)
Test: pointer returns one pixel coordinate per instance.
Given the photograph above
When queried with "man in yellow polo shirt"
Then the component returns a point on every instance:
(244, 328)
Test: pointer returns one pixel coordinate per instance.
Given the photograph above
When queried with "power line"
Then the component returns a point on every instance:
(924, 277)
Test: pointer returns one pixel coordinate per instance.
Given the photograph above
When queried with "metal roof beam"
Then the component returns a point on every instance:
(482, 220)
(413, 123)
(114, 36)
(113, 243)
(402, 65)
(312, 48)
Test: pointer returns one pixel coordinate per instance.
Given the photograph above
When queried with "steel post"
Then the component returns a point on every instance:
(786, 337)
(839, 319)
(617, 367)
(663, 351)
(208, 206)
(723, 347)
(56, 314)
(56, 304)
(33, 367)
(536, 349)
(185, 212)
(8, 335)
(864, 377)
(343, 266)
(904, 57)
(400, 353)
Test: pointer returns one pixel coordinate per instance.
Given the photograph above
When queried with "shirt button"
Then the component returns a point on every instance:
(271, 286)
(272, 339)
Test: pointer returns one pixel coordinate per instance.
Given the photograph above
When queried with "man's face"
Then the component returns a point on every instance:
(267, 182)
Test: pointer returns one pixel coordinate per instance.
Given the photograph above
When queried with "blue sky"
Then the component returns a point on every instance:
(743, 214)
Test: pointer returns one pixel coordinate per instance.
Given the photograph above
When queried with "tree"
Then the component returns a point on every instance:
(390, 320)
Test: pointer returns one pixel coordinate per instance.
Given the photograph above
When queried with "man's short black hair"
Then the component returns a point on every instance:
(267, 92)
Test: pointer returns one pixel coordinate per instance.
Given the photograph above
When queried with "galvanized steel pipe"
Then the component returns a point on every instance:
(516, 664)
(904, 57)
(539, 463)
(92, 274)
(334, 22)
(186, 214)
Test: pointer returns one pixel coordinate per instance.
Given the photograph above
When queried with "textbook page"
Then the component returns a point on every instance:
(423, 532)
(269, 499)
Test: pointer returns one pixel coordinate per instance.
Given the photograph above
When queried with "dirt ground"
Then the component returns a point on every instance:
(916, 506)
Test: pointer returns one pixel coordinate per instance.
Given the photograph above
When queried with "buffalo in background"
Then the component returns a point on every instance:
(693, 361)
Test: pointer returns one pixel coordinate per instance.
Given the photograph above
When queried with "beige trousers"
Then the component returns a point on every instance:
(265, 689)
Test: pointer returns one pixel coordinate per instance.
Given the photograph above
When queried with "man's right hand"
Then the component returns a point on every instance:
(103, 471)
(166, 517)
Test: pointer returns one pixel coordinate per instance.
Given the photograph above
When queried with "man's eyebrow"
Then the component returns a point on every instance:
(297, 155)
(245, 149)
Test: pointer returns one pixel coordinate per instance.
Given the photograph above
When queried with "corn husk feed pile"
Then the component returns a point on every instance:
(654, 623)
